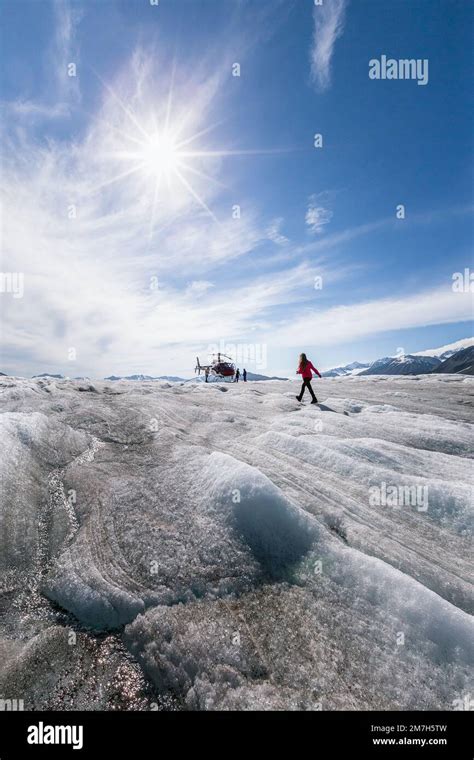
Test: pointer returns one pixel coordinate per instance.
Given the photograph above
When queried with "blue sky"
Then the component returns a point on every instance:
(121, 183)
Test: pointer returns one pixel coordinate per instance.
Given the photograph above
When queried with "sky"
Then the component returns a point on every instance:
(199, 175)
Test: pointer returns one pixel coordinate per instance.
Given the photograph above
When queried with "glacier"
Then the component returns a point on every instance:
(192, 546)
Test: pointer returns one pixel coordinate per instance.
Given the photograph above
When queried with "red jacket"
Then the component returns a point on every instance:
(306, 371)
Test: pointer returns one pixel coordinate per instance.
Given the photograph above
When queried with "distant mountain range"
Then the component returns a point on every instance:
(142, 378)
(407, 364)
(200, 378)
(454, 358)
(445, 352)
(47, 374)
(251, 376)
(350, 369)
(461, 362)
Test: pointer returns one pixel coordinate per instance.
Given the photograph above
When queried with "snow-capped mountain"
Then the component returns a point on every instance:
(253, 377)
(143, 378)
(170, 378)
(417, 363)
(349, 369)
(406, 364)
(48, 374)
(444, 352)
(461, 362)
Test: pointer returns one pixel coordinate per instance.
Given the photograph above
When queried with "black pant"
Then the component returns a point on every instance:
(307, 384)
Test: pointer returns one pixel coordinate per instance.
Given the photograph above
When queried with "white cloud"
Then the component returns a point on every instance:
(317, 215)
(274, 232)
(352, 233)
(34, 111)
(65, 49)
(199, 287)
(328, 27)
(62, 91)
(341, 324)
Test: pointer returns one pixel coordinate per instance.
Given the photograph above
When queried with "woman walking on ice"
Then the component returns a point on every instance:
(304, 369)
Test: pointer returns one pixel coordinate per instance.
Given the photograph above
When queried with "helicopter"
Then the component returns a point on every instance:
(218, 366)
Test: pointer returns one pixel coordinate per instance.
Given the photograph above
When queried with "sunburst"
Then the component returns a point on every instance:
(161, 154)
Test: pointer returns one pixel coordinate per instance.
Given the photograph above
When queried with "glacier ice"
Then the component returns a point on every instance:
(214, 546)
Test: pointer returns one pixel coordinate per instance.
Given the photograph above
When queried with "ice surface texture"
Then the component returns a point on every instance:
(221, 541)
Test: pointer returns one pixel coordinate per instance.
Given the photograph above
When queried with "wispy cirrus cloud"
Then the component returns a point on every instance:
(65, 49)
(199, 287)
(317, 214)
(329, 19)
(342, 324)
(63, 89)
(34, 111)
(274, 232)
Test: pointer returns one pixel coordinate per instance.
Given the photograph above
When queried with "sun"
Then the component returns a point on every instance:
(166, 153)
(160, 155)
(160, 151)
